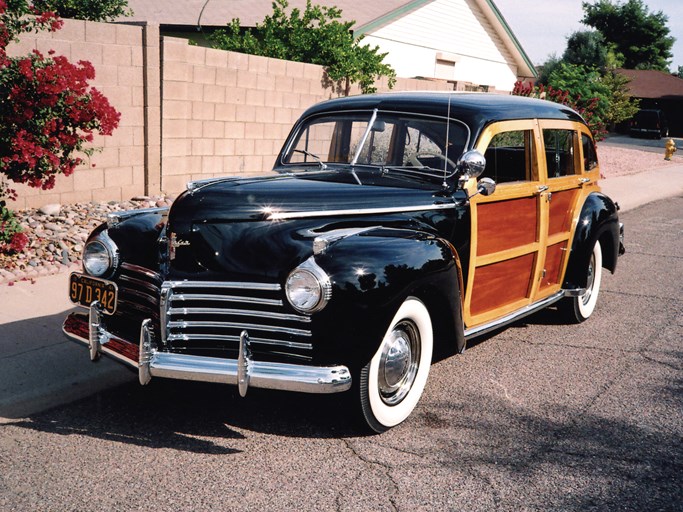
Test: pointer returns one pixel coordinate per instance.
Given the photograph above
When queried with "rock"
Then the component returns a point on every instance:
(50, 209)
(52, 226)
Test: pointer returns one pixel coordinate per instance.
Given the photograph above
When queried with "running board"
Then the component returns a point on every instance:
(480, 330)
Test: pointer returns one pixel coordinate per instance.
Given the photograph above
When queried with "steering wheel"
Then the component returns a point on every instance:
(414, 159)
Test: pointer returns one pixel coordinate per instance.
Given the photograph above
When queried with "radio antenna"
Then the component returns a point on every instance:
(447, 143)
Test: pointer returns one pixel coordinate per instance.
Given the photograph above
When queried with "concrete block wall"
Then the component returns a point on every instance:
(187, 112)
(116, 52)
(228, 114)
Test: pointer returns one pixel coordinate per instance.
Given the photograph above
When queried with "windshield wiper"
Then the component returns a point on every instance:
(313, 156)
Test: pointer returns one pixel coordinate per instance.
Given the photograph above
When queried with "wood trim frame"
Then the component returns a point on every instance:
(584, 182)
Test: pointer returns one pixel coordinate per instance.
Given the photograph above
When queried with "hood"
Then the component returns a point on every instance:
(260, 229)
(329, 191)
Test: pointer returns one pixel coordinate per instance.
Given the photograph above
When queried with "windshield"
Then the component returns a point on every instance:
(394, 140)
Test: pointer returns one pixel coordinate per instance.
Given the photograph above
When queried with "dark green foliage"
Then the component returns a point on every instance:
(587, 48)
(314, 36)
(638, 37)
(91, 10)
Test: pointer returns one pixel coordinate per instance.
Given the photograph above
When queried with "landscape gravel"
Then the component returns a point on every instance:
(57, 232)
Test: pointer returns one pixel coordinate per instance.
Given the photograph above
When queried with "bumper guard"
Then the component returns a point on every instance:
(244, 371)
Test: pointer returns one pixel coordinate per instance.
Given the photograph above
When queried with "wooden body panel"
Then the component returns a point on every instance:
(500, 284)
(522, 233)
(505, 225)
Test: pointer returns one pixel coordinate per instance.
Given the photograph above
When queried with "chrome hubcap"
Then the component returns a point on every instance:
(591, 277)
(399, 363)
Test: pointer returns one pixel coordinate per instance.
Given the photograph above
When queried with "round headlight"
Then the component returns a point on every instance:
(100, 256)
(308, 288)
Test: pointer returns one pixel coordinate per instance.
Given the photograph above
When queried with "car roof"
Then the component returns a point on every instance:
(475, 109)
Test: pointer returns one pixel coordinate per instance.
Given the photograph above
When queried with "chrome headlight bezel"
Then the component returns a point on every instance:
(100, 256)
(308, 287)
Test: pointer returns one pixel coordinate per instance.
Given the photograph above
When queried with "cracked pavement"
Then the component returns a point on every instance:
(539, 416)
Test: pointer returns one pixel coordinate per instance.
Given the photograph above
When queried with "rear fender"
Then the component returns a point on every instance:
(598, 220)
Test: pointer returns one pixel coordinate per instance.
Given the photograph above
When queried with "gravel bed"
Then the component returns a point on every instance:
(57, 232)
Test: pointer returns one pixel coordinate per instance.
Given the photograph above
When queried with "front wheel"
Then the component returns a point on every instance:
(578, 309)
(392, 382)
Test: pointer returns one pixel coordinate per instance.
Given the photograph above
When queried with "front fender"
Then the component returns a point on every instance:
(598, 220)
(372, 273)
(136, 234)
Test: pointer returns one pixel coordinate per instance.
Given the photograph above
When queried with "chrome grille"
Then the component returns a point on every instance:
(209, 316)
(139, 291)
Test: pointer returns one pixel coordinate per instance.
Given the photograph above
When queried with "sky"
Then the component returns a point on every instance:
(542, 27)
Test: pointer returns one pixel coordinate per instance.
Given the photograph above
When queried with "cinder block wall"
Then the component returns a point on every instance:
(226, 113)
(116, 52)
(187, 112)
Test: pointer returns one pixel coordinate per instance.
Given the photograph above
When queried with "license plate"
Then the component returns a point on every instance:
(84, 290)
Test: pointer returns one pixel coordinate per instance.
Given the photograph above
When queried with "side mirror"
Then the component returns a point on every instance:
(486, 186)
(471, 164)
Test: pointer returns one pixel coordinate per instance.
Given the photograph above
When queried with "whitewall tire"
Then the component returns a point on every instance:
(579, 309)
(392, 382)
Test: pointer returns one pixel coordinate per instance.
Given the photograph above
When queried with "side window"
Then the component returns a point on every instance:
(509, 156)
(559, 152)
(590, 156)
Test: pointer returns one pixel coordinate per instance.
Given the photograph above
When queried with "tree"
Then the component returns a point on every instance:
(622, 105)
(585, 87)
(586, 48)
(91, 10)
(315, 36)
(639, 37)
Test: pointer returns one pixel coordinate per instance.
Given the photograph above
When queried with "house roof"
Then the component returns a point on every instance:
(368, 15)
(217, 13)
(648, 83)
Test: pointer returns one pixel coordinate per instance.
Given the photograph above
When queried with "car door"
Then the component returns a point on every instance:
(569, 170)
(507, 227)
(562, 181)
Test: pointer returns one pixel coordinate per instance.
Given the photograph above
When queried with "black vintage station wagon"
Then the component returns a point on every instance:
(395, 224)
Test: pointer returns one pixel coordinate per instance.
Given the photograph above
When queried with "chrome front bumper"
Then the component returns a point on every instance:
(244, 372)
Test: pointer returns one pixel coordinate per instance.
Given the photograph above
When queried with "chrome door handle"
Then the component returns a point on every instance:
(584, 180)
(542, 188)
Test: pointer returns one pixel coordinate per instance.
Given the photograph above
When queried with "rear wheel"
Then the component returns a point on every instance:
(393, 381)
(579, 309)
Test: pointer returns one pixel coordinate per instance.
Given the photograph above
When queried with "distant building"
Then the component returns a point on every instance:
(466, 42)
(658, 90)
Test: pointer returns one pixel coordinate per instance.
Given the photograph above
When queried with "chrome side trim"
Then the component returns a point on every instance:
(574, 292)
(360, 211)
(500, 322)
(113, 219)
(323, 240)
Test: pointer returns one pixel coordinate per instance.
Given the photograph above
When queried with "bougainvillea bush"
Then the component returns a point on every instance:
(48, 110)
(12, 238)
(587, 108)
